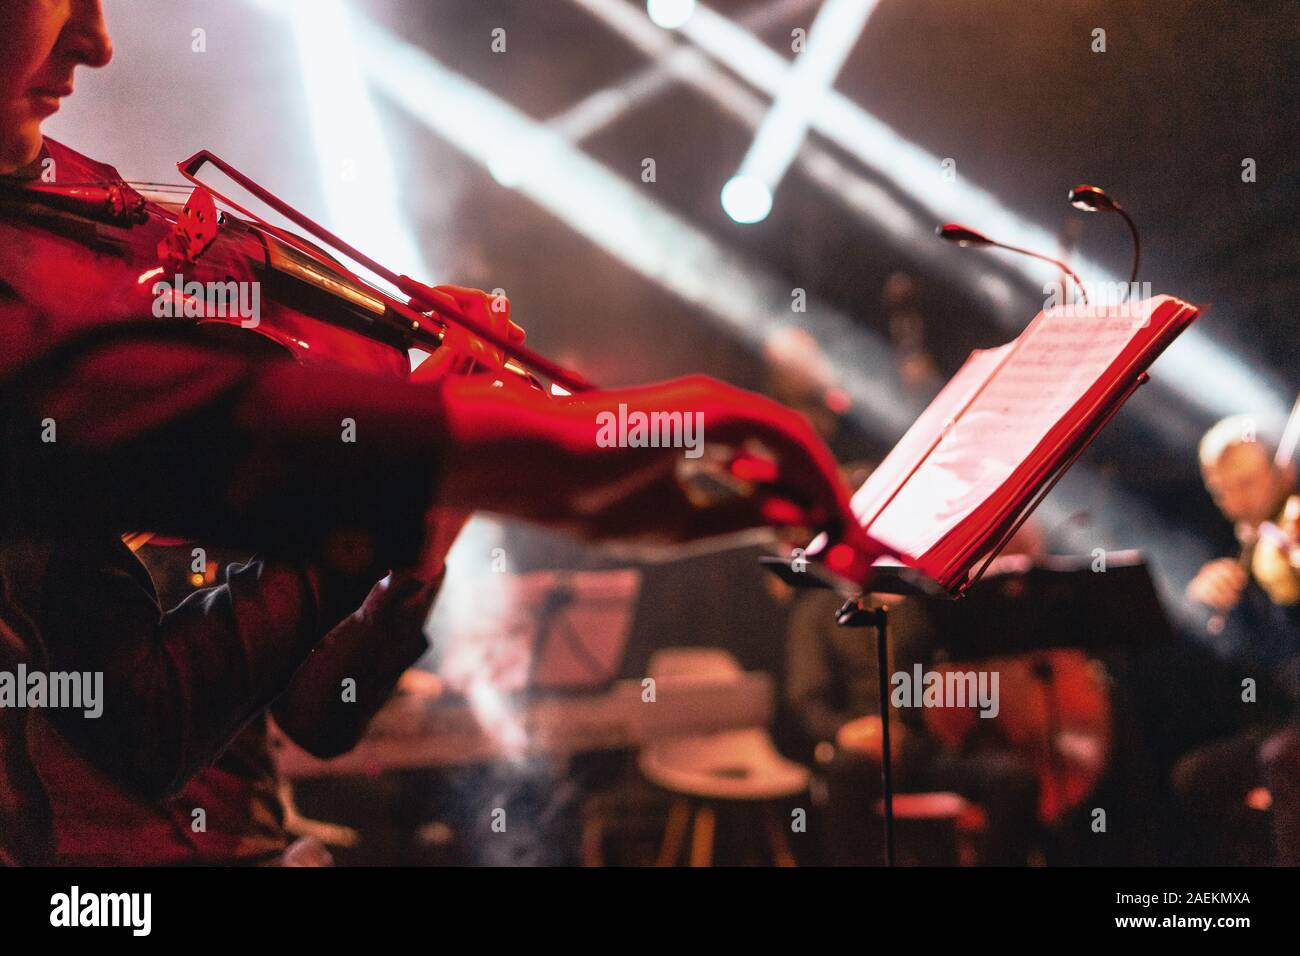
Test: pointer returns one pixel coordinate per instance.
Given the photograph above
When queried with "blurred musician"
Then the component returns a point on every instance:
(1260, 589)
(1254, 602)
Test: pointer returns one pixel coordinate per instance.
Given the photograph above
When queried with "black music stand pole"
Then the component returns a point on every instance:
(854, 614)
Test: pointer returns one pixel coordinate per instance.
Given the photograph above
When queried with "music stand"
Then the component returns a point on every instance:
(856, 613)
(1058, 602)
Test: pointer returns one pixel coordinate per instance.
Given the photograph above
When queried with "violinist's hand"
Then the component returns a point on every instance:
(1218, 584)
(551, 462)
(462, 352)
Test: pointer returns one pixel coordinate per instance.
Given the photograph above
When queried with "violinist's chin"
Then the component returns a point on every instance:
(20, 125)
(20, 136)
(45, 102)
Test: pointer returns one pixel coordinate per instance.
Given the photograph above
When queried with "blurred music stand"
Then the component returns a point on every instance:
(582, 627)
(858, 613)
(556, 632)
(1059, 602)
(887, 578)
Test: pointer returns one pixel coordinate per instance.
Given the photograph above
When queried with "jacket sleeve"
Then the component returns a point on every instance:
(132, 427)
(352, 672)
(128, 428)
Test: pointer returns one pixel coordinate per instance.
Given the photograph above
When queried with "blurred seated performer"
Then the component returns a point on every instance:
(1254, 603)
(917, 369)
(831, 689)
(110, 426)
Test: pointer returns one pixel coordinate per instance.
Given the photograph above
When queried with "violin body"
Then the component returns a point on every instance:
(1274, 559)
(100, 250)
(79, 261)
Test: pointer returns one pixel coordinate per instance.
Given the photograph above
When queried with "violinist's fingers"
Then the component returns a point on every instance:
(737, 418)
(794, 460)
(791, 505)
(855, 546)
(460, 347)
(461, 292)
(496, 307)
(489, 310)
(804, 470)
(440, 363)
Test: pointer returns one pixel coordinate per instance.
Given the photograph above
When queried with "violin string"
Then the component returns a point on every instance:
(134, 183)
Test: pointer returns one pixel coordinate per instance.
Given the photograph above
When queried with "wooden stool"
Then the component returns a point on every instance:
(709, 773)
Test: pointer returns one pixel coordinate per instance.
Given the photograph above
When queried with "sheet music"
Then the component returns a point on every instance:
(917, 443)
(1058, 360)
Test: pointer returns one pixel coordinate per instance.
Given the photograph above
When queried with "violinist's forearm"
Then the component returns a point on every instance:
(342, 685)
(185, 438)
(352, 672)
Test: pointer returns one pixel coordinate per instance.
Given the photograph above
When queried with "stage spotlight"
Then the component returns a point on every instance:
(356, 172)
(909, 170)
(507, 167)
(669, 14)
(746, 199)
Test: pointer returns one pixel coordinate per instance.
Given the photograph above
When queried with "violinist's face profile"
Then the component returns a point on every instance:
(1246, 485)
(41, 43)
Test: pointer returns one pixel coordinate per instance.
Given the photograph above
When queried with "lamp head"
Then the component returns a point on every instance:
(956, 232)
(1090, 198)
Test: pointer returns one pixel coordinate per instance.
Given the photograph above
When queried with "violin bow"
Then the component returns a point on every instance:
(422, 297)
(1290, 437)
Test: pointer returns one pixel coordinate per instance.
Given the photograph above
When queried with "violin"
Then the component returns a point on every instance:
(1273, 558)
(269, 290)
(197, 261)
